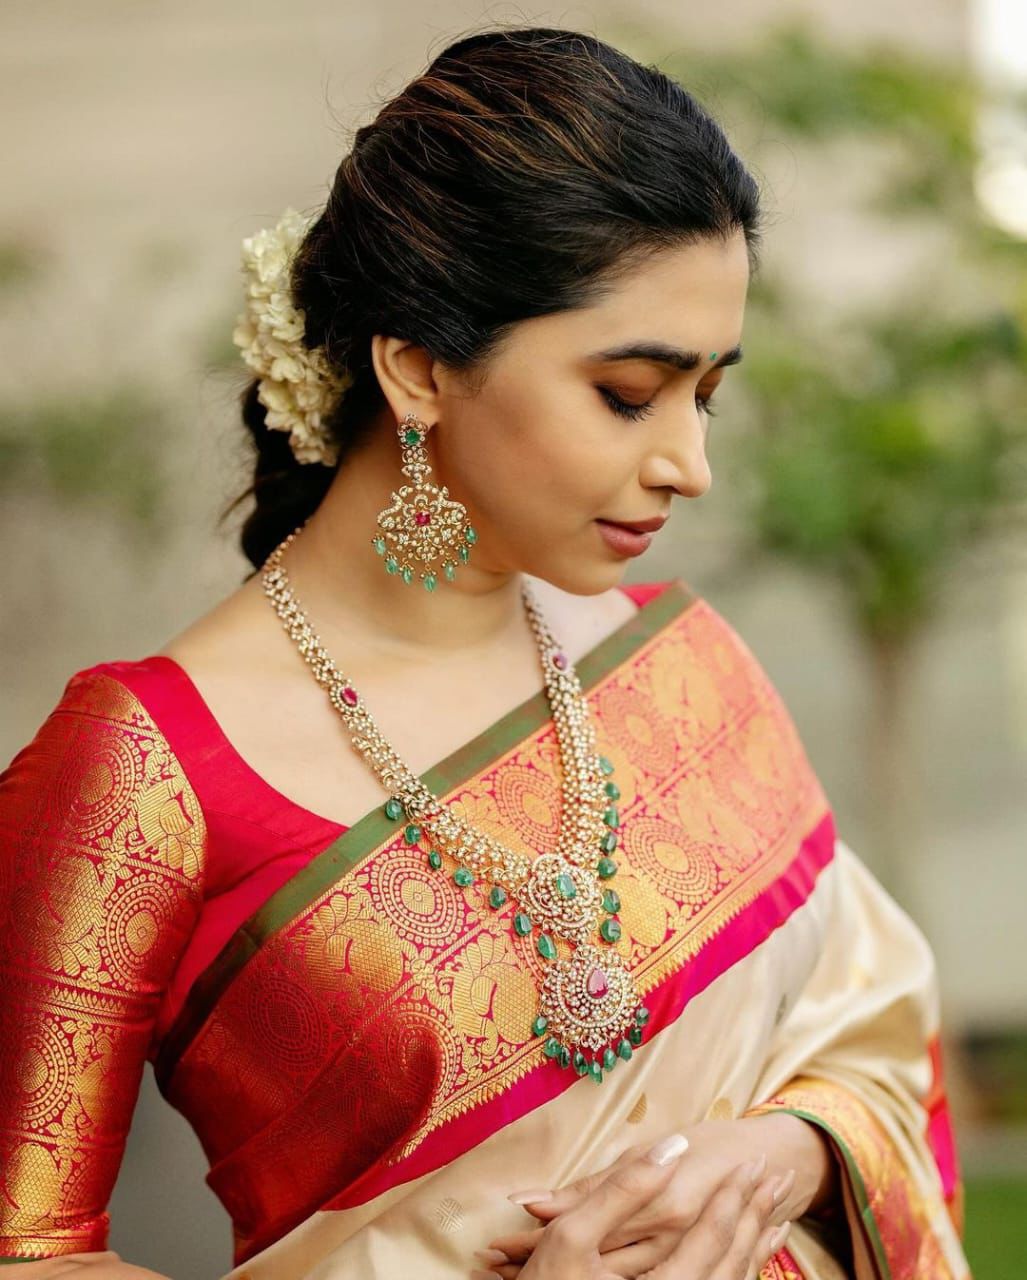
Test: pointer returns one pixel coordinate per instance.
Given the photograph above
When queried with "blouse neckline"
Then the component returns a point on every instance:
(208, 729)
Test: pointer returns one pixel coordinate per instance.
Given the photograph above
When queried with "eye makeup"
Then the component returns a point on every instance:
(638, 411)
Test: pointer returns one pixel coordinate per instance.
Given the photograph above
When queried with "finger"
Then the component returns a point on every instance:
(640, 1257)
(547, 1206)
(562, 1198)
(705, 1243)
(736, 1263)
(625, 1190)
(519, 1247)
(758, 1222)
(771, 1241)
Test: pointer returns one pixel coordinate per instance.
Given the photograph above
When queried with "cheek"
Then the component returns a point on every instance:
(535, 459)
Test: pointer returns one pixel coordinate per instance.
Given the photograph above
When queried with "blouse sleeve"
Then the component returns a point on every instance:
(858, 1055)
(102, 846)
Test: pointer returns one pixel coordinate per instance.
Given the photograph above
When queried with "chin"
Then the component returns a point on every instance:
(585, 577)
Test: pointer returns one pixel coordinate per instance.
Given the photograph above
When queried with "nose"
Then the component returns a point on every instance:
(679, 462)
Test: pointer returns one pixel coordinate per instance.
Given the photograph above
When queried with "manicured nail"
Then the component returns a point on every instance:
(530, 1197)
(668, 1149)
(754, 1171)
(783, 1185)
(491, 1255)
(779, 1236)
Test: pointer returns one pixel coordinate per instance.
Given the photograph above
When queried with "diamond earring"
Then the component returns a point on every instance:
(422, 524)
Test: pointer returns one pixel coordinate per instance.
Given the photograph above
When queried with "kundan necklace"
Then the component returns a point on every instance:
(588, 1006)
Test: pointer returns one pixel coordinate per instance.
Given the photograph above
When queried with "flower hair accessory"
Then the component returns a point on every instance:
(298, 387)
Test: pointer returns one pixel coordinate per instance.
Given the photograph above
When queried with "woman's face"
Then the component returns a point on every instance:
(541, 451)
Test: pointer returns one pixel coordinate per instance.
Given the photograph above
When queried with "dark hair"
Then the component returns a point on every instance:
(519, 175)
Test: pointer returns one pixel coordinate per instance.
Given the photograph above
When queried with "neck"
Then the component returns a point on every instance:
(346, 590)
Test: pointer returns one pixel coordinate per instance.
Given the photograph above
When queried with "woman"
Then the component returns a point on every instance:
(373, 968)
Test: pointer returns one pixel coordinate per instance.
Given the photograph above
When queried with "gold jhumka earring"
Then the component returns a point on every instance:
(423, 525)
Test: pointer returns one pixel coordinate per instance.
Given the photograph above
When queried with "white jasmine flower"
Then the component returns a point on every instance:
(298, 387)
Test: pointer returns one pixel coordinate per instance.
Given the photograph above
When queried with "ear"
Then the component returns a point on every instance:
(407, 375)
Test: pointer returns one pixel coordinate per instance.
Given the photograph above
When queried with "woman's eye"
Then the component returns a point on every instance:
(634, 411)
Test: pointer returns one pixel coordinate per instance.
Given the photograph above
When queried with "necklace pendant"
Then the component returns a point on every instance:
(564, 898)
(588, 1000)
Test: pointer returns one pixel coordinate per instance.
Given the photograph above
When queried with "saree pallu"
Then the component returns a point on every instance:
(358, 1059)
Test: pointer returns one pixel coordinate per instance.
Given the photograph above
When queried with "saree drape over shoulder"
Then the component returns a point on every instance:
(348, 1030)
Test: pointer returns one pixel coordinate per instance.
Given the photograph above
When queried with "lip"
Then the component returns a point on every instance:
(651, 525)
(626, 542)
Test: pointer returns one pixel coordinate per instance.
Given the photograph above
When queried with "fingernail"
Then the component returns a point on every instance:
(783, 1185)
(779, 1236)
(668, 1149)
(491, 1255)
(754, 1171)
(530, 1197)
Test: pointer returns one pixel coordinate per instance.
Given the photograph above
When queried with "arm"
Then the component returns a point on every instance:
(856, 1060)
(101, 872)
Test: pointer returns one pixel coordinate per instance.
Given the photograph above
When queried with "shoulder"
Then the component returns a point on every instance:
(100, 774)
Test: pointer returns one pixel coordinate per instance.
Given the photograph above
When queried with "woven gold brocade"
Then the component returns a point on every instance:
(102, 847)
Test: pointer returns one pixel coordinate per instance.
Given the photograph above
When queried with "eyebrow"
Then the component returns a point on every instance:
(664, 354)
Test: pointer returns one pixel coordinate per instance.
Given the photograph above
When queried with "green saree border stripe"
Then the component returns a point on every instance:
(859, 1187)
(372, 830)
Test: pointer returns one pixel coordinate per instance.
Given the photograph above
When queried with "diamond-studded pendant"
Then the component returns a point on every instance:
(565, 896)
(589, 1001)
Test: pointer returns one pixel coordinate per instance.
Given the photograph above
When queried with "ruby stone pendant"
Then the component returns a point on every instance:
(588, 1002)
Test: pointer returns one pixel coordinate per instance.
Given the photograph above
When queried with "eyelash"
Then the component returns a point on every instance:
(638, 411)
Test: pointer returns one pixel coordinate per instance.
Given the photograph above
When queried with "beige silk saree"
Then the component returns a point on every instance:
(354, 1043)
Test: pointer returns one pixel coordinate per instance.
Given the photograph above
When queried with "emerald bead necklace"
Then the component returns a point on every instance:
(589, 1013)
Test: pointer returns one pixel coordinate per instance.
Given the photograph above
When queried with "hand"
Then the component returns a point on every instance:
(797, 1156)
(731, 1236)
(798, 1164)
(103, 1265)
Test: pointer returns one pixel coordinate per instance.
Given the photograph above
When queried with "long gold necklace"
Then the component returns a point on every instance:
(588, 1005)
